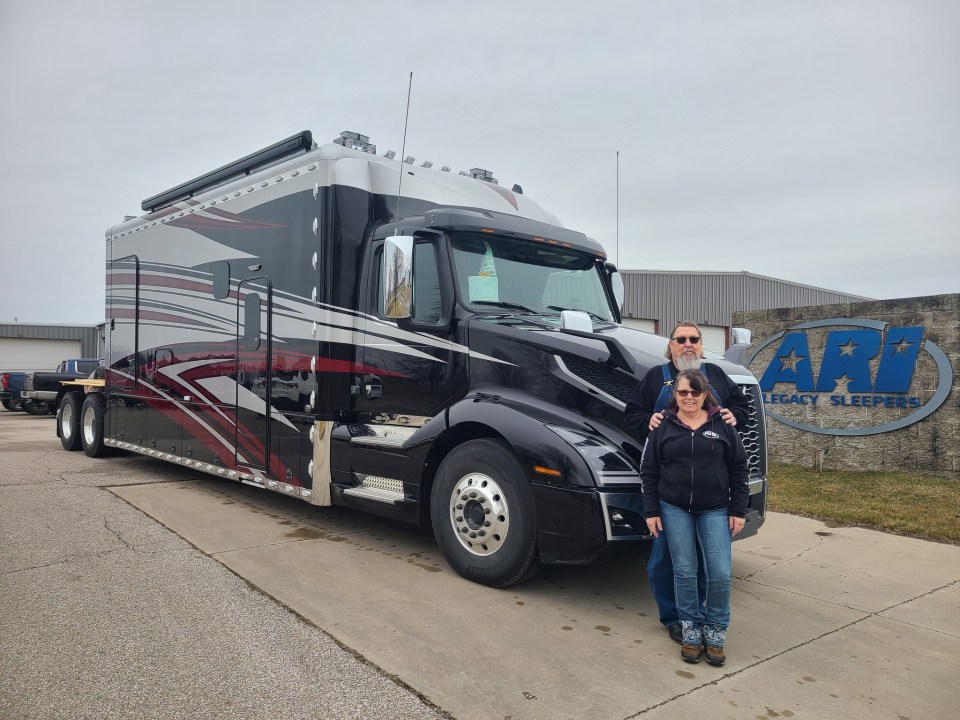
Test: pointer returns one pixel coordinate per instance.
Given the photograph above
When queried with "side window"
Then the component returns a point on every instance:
(426, 288)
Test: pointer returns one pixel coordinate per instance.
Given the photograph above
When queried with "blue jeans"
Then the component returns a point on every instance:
(660, 575)
(710, 530)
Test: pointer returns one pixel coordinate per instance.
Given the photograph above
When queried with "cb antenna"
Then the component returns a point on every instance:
(618, 208)
(403, 155)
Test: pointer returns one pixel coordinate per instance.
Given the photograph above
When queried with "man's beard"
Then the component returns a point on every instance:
(688, 362)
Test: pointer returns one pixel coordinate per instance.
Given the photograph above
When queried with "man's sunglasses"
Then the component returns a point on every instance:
(691, 393)
(682, 340)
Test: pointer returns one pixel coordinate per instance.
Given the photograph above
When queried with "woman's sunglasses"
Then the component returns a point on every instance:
(691, 393)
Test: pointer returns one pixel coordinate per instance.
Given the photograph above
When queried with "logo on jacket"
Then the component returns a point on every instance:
(710, 434)
(848, 376)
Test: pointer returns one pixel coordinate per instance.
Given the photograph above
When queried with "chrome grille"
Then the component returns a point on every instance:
(751, 434)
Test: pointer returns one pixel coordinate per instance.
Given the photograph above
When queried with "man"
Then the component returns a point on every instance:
(644, 412)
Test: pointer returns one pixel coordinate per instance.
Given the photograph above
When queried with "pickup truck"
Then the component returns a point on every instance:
(11, 383)
(42, 391)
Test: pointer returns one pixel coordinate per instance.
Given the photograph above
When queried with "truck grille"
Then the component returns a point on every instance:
(752, 436)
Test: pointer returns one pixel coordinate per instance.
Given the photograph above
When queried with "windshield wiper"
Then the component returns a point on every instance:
(505, 304)
(591, 314)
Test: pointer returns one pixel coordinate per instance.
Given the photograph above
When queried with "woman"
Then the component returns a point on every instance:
(694, 474)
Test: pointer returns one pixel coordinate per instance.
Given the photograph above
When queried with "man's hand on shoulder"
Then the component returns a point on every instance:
(657, 418)
(728, 417)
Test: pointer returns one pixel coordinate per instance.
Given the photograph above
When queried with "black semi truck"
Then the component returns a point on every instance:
(353, 329)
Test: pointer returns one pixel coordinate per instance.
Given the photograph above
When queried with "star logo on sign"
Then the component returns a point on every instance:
(789, 362)
(901, 347)
(848, 348)
(841, 383)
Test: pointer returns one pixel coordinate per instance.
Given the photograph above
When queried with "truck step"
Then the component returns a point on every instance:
(374, 487)
(388, 436)
(372, 493)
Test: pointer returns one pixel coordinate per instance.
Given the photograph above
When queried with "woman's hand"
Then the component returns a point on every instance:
(654, 526)
(736, 525)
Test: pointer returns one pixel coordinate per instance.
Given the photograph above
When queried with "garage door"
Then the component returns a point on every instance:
(649, 326)
(714, 338)
(33, 354)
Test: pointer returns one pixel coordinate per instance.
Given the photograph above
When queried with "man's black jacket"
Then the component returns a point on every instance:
(644, 397)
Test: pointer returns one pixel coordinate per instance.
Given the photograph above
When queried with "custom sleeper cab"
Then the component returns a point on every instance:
(355, 330)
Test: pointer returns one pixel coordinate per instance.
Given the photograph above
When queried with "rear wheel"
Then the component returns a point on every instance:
(483, 516)
(12, 405)
(37, 407)
(91, 425)
(68, 421)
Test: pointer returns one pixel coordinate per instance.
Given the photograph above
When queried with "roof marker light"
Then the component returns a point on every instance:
(427, 164)
(409, 159)
(389, 154)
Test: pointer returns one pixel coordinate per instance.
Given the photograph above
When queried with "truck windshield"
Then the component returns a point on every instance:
(503, 274)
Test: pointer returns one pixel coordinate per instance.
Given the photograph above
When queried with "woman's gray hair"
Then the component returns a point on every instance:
(685, 323)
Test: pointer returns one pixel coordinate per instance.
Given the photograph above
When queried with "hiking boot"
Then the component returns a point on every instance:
(691, 653)
(675, 630)
(715, 655)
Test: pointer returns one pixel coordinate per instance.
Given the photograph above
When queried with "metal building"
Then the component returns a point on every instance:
(32, 346)
(655, 300)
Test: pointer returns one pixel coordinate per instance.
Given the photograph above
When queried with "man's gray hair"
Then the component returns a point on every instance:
(685, 323)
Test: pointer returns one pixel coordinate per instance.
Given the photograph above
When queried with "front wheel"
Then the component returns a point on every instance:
(483, 516)
(91, 425)
(68, 421)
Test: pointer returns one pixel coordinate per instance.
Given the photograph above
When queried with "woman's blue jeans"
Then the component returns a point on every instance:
(710, 530)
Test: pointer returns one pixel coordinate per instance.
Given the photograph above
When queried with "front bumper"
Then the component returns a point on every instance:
(578, 525)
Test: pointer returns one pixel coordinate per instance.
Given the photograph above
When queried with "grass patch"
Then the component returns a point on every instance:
(921, 506)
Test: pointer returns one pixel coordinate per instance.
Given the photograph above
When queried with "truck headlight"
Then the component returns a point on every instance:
(609, 465)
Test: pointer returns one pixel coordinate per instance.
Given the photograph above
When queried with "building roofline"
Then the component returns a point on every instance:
(747, 274)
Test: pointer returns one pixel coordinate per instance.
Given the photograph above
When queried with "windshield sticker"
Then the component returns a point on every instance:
(484, 288)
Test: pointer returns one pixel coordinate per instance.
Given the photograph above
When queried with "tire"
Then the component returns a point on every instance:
(36, 407)
(483, 517)
(91, 425)
(12, 405)
(68, 421)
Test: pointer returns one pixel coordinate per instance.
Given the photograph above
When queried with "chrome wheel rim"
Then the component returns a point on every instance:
(89, 418)
(66, 421)
(479, 514)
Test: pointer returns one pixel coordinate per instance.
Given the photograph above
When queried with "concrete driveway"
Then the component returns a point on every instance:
(827, 622)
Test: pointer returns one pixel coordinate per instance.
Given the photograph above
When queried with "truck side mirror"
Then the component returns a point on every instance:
(616, 285)
(397, 277)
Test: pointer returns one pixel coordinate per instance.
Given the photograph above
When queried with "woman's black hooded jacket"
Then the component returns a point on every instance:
(695, 470)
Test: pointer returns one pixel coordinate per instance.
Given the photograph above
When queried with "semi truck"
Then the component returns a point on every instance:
(355, 329)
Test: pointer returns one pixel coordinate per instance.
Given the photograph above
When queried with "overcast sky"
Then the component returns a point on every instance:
(816, 141)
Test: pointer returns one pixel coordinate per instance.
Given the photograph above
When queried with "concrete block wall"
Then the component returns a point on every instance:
(931, 445)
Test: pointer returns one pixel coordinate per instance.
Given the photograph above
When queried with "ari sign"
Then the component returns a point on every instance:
(852, 376)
